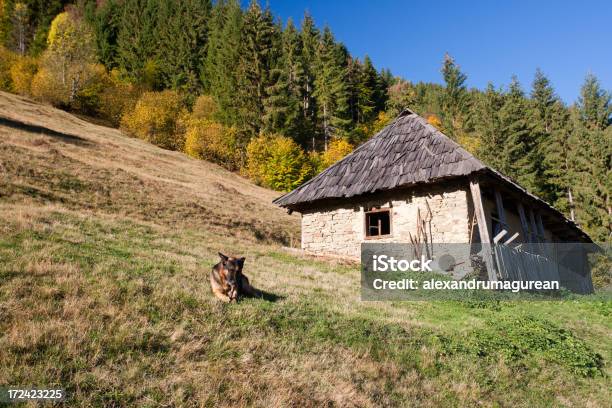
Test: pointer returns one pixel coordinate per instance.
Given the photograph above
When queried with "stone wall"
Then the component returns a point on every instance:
(340, 229)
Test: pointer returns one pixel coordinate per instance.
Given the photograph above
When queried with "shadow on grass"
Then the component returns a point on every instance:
(267, 296)
(65, 137)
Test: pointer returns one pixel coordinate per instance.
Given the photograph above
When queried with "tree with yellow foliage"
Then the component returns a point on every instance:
(277, 162)
(434, 121)
(158, 118)
(117, 98)
(7, 58)
(382, 119)
(212, 141)
(69, 59)
(44, 87)
(205, 107)
(338, 148)
(22, 72)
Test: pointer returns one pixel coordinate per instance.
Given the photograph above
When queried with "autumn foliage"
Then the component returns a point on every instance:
(338, 148)
(21, 73)
(7, 59)
(208, 140)
(158, 118)
(118, 97)
(277, 162)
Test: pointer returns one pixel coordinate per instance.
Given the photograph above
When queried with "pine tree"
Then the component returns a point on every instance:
(544, 98)
(283, 109)
(520, 156)
(353, 78)
(384, 81)
(489, 127)
(367, 98)
(545, 111)
(182, 42)
(105, 22)
(591, 181)
(310, 39)
(387, 78)
(592, 161)
(331, 90)
(222, 57)
(454, 99)
(594, 104)
(297, 123)
(557, 154)
(137, 40)
(367, 92)
(256, 59)
(276, 99)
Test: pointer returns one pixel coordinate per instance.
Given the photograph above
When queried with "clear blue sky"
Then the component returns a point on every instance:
(490, 40)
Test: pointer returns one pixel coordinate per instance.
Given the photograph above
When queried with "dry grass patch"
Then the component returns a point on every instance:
(120, 313)
(105, 248)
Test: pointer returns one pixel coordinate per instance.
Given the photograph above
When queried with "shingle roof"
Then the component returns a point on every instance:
(408, 151)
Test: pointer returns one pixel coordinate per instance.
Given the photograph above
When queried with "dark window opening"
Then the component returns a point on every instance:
(378, 223)
(496, 225)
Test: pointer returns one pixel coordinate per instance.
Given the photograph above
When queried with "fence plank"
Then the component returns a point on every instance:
(485, 237)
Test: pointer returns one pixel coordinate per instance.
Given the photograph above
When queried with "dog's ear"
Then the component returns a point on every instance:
(241, 261)
(223, 257)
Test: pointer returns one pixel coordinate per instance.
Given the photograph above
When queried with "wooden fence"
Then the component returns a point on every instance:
(516, 264)
(522, 262)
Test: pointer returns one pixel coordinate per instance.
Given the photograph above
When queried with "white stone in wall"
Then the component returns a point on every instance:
(341, 230)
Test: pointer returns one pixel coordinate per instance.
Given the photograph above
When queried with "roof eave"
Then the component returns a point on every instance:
(296, 206)
(571, 224)
(300, 206)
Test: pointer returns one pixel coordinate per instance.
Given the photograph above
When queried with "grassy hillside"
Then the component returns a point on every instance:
(105, 247)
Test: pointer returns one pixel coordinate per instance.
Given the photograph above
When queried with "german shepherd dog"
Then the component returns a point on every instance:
(227, 281)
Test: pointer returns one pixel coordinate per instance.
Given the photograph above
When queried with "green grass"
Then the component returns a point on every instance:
(104, 291)
(95, 305)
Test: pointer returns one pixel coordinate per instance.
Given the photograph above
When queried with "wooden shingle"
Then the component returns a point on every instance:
(408, 151)
(408, 143)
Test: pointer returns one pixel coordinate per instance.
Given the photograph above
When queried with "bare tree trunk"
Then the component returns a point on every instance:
(609, 216)
(74, 88)
(325, 124)
(305, 107)
(570, 198)
(19, 20)
(21, 40)
(306, 99)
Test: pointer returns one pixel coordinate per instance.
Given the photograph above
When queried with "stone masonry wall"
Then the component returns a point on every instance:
(340, 230)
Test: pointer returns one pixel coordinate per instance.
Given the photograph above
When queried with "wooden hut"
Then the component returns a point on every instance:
(411, 172)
